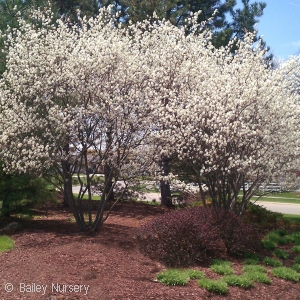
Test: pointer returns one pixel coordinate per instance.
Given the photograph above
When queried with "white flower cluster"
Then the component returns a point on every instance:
(118, 91)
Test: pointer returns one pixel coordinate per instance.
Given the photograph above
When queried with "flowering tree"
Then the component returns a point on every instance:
(65, 90)
(233, 123)
(146, 92)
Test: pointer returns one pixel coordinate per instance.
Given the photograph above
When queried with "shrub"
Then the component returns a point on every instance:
(254, 269)
(241, 281)
(281, 254)
(239, 237)
(251, 258)
(286, 273)
(181, 237)
(276, 238)
(294, 238)
(268, 245)
(264, 218)
(173, 277)
(215, 286)
(6, 243)
(296, 249)
(221, 267)
(269, 261)
(194, 274)
(251, 261)
(258, 277)
(296, 267)
(297, 259)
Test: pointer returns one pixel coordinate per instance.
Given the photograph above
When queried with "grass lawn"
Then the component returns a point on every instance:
(295, 218)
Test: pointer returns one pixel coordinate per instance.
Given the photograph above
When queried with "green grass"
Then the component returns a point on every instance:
(296, 249)
(269, 261)
(173, 277)
(221, 267)
(281, 254)
(276, 238)
(6, 243)
(260, 277)
(293, 238)
(296, 267)
(293, 218)
(240, 281)
(254, 269)
(215, 286)
(286, 273)
(194, 274)
(284, 197)
(251, 259)
(269, 245)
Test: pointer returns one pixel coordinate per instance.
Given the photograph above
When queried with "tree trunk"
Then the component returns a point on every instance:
(108, 183)
(166, 198)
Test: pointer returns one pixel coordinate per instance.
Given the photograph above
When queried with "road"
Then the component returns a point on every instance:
(285, 208)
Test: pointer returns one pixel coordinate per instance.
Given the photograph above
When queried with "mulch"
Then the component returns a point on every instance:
(50, 253)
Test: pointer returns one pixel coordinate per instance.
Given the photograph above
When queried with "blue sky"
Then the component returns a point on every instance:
(280, 27)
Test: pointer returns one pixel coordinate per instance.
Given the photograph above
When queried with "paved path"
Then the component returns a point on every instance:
(285, 208)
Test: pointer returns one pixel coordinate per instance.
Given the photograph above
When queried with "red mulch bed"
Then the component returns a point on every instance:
(50, 251)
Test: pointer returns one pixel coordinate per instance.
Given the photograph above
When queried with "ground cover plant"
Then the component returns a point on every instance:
(221, 267)
(215, 286)
(286, 273)
(6, 243)
(113, 257)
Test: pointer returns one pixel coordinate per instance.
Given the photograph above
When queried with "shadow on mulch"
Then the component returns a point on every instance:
(57, 221)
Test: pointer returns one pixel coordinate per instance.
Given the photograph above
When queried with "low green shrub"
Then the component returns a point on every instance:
(277, 238)
(240, 281)
(254, 269)
(269, 261)
(6, 243)
(268, 245)
(286, 273)
(181, 237)
(173, 277)
(296, 249)
(221, 267)
(296, 267)
(194, 274)
(215, 286)
(251, 258)
(266, 219)
(297, 259)
(281, 232)
(251, 261)
(258, 277)
(281, 254)
(293, 238)
(252, 255)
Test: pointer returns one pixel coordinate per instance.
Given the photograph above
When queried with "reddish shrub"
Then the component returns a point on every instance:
(181, 237)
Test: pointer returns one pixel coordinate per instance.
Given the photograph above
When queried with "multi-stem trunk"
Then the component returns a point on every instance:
(166, 198)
